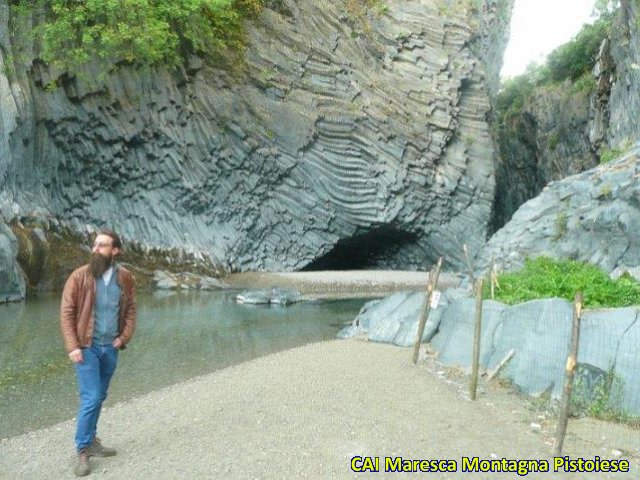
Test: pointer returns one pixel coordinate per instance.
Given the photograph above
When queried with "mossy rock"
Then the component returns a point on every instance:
(49, 255)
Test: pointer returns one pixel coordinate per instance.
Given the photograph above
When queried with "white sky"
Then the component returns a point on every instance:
(539, 26)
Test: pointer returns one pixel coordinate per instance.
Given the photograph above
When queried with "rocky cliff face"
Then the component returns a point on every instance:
(548, 142)
(622, 73)
(593, 216)
(341, 141)
(563, 129)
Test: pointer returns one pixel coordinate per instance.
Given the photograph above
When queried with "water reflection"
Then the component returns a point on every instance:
(179, 336)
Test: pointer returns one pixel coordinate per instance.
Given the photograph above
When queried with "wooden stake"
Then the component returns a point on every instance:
(473, 386)
(501, 365)
(570, 371)
(426, 308)
(493, 278)
(472, 278)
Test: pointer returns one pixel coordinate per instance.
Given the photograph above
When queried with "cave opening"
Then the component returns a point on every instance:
(370, 250)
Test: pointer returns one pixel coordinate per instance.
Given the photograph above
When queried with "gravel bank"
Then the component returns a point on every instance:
(303, 413)
(342, 283)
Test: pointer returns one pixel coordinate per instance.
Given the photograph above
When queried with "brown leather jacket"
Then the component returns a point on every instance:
(76, 309)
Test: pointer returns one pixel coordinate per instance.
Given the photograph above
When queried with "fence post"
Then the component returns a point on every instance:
(426, 308)
(493, 275)
(570, 371)
(472, 279)
(473, 386)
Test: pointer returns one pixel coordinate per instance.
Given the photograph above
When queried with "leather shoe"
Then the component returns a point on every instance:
(96, 449)
(82, 468)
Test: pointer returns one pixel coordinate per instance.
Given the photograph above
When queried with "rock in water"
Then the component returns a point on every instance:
(275, 296)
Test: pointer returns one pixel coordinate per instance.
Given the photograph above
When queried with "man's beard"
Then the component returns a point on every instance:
(99, 264)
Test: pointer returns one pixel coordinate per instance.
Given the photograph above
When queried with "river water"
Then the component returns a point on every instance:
(179, 336)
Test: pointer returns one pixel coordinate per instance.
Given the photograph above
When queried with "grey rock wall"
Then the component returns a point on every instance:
(564, 129)
(624, 103)
(548, 142)
(12, 284)
(8, 93)
(593, 216)
(394, 319)
(333, 140)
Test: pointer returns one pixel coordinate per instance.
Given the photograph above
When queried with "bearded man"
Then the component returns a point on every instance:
(97, 319)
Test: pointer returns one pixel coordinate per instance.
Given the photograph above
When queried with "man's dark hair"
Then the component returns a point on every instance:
(114, 237)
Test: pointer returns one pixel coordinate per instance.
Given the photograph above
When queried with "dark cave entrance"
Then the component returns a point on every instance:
(373, 249)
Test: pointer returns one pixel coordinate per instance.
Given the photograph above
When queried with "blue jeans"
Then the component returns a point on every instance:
(94, 374)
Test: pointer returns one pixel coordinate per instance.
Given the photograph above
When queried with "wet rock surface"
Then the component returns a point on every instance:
(272, 296)
(12, 284)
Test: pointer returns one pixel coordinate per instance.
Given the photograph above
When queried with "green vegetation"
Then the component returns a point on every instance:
(586, 83)
(606, 191)
(8, 67)
(572, 61)
(592, 400)
(135, 31)
(608, 154)
(575, 58)
(358, 14)
(561, 225)
(597, 400)
(554, 139)
(544, 277)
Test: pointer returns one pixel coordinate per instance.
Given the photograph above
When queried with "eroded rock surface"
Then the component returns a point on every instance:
(568, 128)
(357, 142)
(593, 216)
(271, 296)
(12, 284)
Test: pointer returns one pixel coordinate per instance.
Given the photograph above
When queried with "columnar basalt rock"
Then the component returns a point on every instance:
(339, 136)
(624, 77)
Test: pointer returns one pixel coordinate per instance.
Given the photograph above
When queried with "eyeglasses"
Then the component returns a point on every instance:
(102, 244)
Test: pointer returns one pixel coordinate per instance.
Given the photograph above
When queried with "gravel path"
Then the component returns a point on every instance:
(302, 413)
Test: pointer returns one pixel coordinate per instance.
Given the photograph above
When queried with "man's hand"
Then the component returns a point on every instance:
(117, 343)
(76, 356)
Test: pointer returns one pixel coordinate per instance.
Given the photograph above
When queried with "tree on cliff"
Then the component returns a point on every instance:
(142, 31)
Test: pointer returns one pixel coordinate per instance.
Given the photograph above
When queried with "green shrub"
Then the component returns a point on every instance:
(142, 31)
(514, 91)
(561, 225)
(554, 139)
(608, 154)
(574, 61)
(578, 56)
(586, 83)
(598, 396)
(544, 277)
